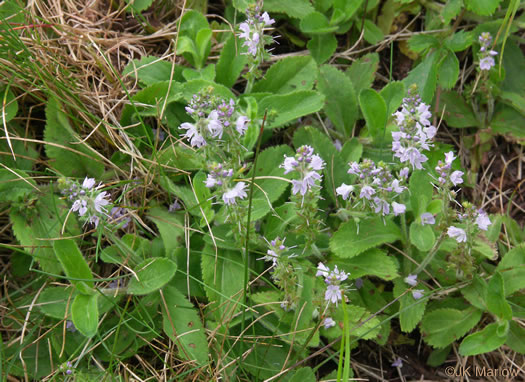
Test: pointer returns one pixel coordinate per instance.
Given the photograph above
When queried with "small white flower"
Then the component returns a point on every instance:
(289, 164)
(367, 192)
(101, 201)
(214, 125)
(417, 293)
(483, 221)
(456, 177)
(449, 157)
(266, 19)
(317, 163)
(397, 363)
(328, 322)
(236, 192)
(427, 218)
(322, 270)
(88, 183)
(333, 294)
(210, 181)
(344, 190)
(457, 233)
(398, 208)
(411, 280)
(486, 63)
(240, 124)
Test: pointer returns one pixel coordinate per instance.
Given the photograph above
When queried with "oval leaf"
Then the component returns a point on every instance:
(151, 275)
(84, 313)
(374, 110)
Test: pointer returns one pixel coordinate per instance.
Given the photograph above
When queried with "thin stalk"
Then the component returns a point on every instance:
(247, 240)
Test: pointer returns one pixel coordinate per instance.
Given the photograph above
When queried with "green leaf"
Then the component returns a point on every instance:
(512, 268)
(25, 152)
(194, 41)
(448, 70)
(424, 76)
(459, 41)
(139, 5)
(179, 157)
(316, 23)
(515, 337)
(231, 63)
(34, 224)
(372, 262)
(421, 42)
(362, 71)
(341, 101)
(451, 10)
(351, 239)
(241, 5)
(269, 190)
(287, 75)
(182, 324)
(422, 236)
(438, 356)
(375, 111)
(344, 10)
(481, 342)
(476, 293)
(322, 47)
(9, 106)
(68, 156)
(441, 327)
(393, 94)
(457, 112)
(304, 374)
(74, 264)
(421, 190)
(508, 121)
(84, 314)
(410, 310)
(482, 7)
(223, 282)
(293, 8)
(170, 226)
(496, 302)
(150, 70)
(194, 86)
(15, 186)
(53, 301)
(151, 275)
(288, 107)
(372, 33)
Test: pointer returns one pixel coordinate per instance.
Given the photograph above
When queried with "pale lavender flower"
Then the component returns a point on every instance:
(70, 326)
(427, 218)
(265, 18)
(367, 192)
(381, 206)
(333, 294)
(398, 208)
(457, 233)
(118, 214)
(196, 139)
(101, 201)
(252, 32)
(338, 145)
(404, 173)
(449, 157)
(328, 322)
(230, 196)
(240, 124)
(417, 293)
(411, 280)
(80, 206)
(344, 190)
(88, 183)
(397, 363)
(483, 221)
(486, 63)
(322, 270)
(359, 283)
(289, 164)
(175, 206)
(214, 125)
(456, 177)
(307, 165)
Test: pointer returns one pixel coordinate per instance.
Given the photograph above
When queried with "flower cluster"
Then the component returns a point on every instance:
(67, 368)
(120, 215)
(377, 187)
(252, 32)
(308, 165)
(283, 273)
(222, 178)
(333, 280)
(412, 281)
(486, 60)
(88, 201)
(213, 119)
(415, 131)
(473, 219)
(447, 177)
